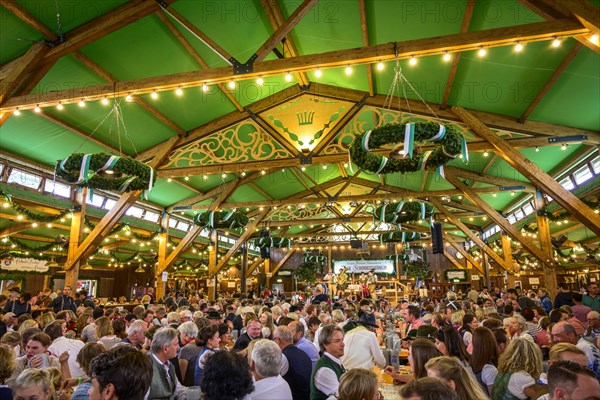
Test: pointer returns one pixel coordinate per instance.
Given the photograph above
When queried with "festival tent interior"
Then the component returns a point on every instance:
(145, 142)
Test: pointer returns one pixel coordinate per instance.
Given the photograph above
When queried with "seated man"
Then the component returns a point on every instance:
(325, 378)
(253, 331)
(296, 364)
(569, 380)
(135, 334)
(165, 345)
(265, 367)
(120, 373)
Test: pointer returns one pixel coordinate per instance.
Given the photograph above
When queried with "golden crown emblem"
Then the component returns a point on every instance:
(305, 118)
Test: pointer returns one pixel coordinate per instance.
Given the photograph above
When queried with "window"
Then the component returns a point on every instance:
(511, 218)
(1, 169)
(95, 200)
(582, 174)
(109, 204)
(567, 183)
(135, 212)
(151, 216)
(182, 226)
(173, 223)
(23, 178)
(527, 208)
(519, 215)
(596, 165)
(56, 188)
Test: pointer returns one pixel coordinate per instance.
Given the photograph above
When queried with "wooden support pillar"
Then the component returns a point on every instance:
(508, 259)
(72, 274)
(550, 281)
(163, 241)
(329, 261)
(213, 256)
(268, 273)
(464, 253)
(244, 267)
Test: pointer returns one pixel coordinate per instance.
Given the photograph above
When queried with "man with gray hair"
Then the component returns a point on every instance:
(173, 320)
(165, 384)
(135, 334)
(265, 367)
(277, 314)
(325, 378)
(189, 352)
(296, 364)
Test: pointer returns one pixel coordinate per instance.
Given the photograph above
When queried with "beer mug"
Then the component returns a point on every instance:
(45, 361)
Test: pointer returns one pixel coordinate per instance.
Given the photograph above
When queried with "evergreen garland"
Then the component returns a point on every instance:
(220, 220)
(30, 215)
(411, 211)
(449, 147)
(416, 269)
(275, 242)
(124, 169)
(399, 237)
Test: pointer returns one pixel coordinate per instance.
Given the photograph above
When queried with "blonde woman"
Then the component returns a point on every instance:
(519, 368)
(105, 333)
(452, 371)
(457, 318)
(266, 320)
(46, 319)
(28, 323)
(358, 384)
(338, 317)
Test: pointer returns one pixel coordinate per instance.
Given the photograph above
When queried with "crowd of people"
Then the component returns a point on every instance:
(488, 344)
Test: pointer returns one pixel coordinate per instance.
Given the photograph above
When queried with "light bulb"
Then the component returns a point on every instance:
(179, 92)
(154, 95)
(447, 56)
(169, 180)
(518, 47)
(81, 103)
(104, 101)
(187, 178)
(288, 77)
(263, 172)
(224, 176)
(260, 81)
(37, 109)
(204, 87)
(128, 98)
(231, 84)
(555, 42)
(348, 70)
(59, 106)
(318, 73)
(17, 112)
(594, 39)
(413, 61)
(482, 52)
(564, 146)
(485, 153)
(380, 66)
(537, 149)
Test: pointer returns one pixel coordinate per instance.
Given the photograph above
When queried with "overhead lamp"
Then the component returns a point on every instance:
(486, 154)
(204, 87)
(59, 106)
(260, 81)
(413, 60)
(288, 77)
(380, 66)
(537, 149)
(179, 92)
(318, 73)
(86, 266)
(594, 39)
(564, 146)
(17, 112)
(37, 109)
(518, 47)
(556, 42)
(348, 70)
(82, 103)
(447, 56)
(231, 84)
(52, 264)
(104, 101)
(482, 52)
(154, 95)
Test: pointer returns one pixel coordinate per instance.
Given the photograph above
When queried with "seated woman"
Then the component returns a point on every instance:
(227, 377)
(358, 384)
(484, 359)
(419, 352)
(7, 366)
(208, 339)
(451, 371)
(519, 368)
(449, 343)
(84, 357)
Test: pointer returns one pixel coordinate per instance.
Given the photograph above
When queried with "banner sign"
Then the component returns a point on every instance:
(456, 275)
(360, 266)
(24, 264)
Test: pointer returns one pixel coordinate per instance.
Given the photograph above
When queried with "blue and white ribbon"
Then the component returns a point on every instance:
(365, 141)
(409, 140)
(423, 160)
(464, 151)
(423, 209)
(440, 135)
(439, 171)
(127, 182)
(382, 164)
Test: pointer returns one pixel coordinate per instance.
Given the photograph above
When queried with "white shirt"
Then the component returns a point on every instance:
(271, 388)
(73, 346)
(361, 349)
(325, 378)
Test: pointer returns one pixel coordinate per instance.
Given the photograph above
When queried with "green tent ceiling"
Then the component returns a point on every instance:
(504, 82)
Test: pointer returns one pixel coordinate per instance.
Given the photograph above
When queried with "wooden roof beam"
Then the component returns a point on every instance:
(551, 81)
(467, 41)
(586, 13)
(290, 252)
(283, 30)
(199, 60)
(500, 220)
(532, 172)
(464, 27)
(18, 70)
(364, 25)
(28, 18)
(475, 238)
(276, 19)
(489, 179)
(252, 267)
(463, 252)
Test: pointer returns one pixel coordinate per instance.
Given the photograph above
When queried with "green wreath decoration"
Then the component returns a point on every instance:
(416, 269)
(402, 212)
(307, 272)
(85, 170)
(221, 220)
(451, 143)
(275, 242)
(399, 237)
